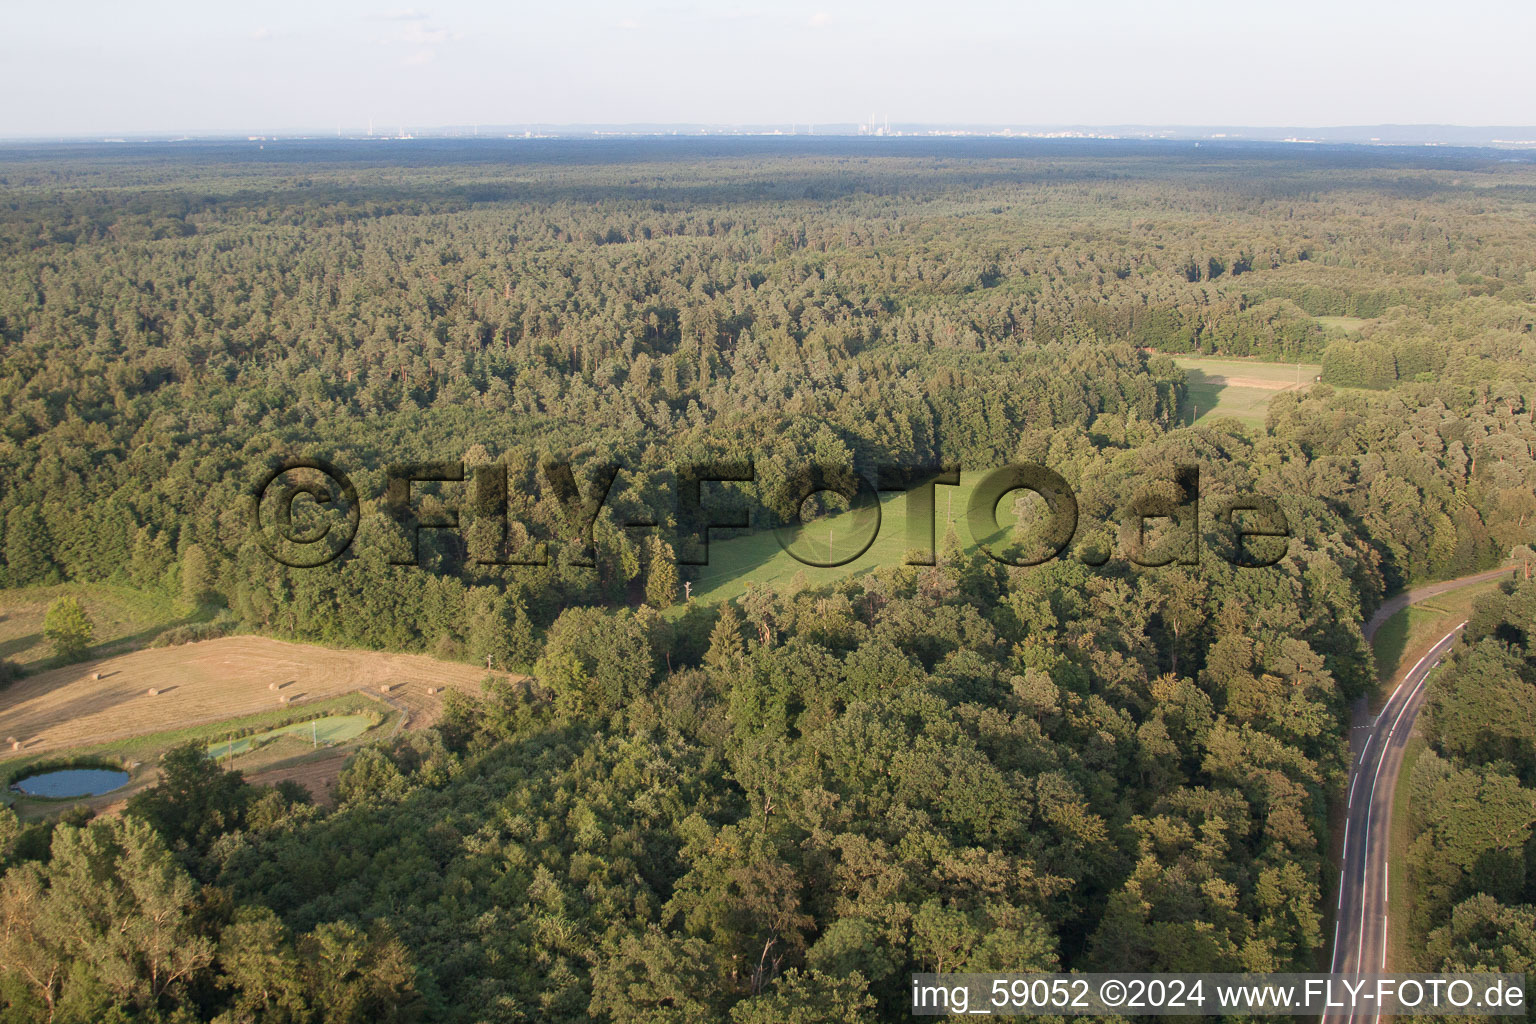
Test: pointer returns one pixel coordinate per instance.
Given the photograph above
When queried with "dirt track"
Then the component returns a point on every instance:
(207, 682)
(1248, 382)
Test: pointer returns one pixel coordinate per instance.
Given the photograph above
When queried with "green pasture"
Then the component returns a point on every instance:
(737, 558)
(1209, 392)
(123, 619)
(328, 730)
(1341, 324)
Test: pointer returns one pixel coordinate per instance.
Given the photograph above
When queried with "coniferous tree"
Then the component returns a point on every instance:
(196, 576)
(28, 557)
(661, 576)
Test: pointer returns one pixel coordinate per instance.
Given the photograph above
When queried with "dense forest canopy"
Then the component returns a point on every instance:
(772, 809)
(1474, 797)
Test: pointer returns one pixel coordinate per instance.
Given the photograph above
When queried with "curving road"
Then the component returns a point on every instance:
(1360, 929)
(1360, 925)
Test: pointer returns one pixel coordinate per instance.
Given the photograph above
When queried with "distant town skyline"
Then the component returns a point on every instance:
(168, 66)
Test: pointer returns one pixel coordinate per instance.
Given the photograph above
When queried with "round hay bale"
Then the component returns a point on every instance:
(153, 692)
(283, 699)
(271, 686)
(95, 676)
(385, 687)
(431, 691)
(15, 744)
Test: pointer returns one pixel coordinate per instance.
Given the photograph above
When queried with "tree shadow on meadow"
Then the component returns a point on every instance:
(18, 644)
(1202, 393)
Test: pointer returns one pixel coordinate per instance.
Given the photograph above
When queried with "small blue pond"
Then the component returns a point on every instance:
(68, 782)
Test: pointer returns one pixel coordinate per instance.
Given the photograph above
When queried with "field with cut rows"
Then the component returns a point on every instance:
(107, 699)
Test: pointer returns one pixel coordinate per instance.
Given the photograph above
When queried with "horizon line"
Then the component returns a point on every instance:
(1516, 137)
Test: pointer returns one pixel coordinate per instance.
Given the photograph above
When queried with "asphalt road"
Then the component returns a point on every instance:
(1360, 929)
(1361, 922)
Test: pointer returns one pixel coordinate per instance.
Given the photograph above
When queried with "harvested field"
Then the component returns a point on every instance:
(208, 682)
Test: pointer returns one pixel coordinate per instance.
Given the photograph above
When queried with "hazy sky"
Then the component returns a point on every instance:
(94, 67)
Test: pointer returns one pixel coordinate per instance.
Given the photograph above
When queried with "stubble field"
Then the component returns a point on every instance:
(205, 682)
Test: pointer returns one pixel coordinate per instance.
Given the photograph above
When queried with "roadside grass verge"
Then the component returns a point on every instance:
(1404, 637)
(1400, 894)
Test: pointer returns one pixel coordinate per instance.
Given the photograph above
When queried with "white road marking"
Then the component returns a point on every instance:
(1375, 778)
(1370, 810)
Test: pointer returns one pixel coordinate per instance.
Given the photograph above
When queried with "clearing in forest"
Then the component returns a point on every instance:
(1240, 388)
(330, 730)
(121, 616)
(98, 701)
(1341, 324)
(739, 558)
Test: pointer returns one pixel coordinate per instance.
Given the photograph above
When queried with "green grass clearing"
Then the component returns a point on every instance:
(1221, 387)
(741, 557)
(1342, 324)
(1283, 374)
(124, 618)
(328, 731)
(1209, 400)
